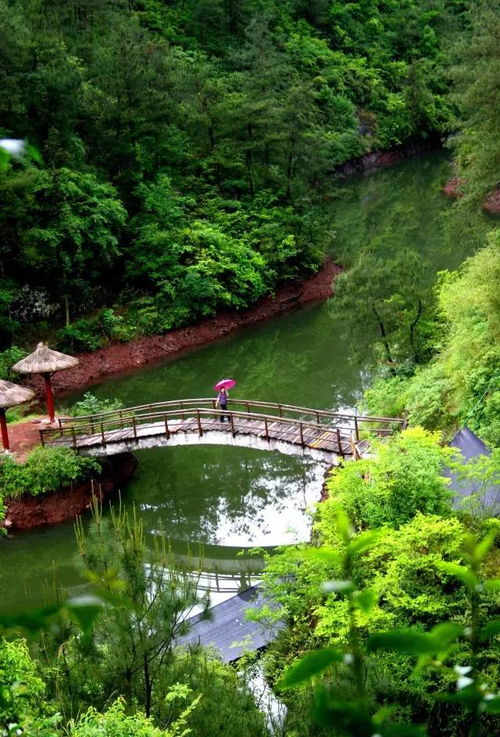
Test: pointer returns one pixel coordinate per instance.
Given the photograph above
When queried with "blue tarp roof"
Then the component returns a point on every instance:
(471, 446)
(228, 630)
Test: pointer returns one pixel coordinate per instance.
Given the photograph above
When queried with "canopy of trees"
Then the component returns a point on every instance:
(183, 147)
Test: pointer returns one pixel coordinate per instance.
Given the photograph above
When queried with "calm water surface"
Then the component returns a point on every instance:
(212, 500)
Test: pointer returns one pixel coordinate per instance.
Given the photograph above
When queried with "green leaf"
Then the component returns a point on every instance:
(493, 584)
(321, 555)
(492, 706)
(481, 549)
(445, 633)
(32, 620)
(460, 572)
(344, 526)
(84, 609)
(403, 641)
(491, 629)
(365, 600)
(312, 664)
(363, 542)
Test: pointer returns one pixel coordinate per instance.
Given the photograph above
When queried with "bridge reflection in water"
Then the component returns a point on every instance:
(327, 437)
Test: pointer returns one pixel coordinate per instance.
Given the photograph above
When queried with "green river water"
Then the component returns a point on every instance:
(223, 498)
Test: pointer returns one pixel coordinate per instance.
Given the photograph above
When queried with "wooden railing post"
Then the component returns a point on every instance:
(339, 443)
(280, 410)
(232, 423)
(301, 429)
(167, 431)
(356, 429)
(198, 419)
(266, 433)
(134, 425)
(103, 437)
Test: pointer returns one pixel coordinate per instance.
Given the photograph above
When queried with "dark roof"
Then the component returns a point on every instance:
(470, 447)
(228, 630)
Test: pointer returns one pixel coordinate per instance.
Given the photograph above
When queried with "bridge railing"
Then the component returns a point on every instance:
(343, 429)
(378, 425)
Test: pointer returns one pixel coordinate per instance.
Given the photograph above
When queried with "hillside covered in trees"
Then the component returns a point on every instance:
(180, 159)
(183, 152)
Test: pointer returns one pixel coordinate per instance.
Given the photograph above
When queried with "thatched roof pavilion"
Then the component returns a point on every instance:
(45, 361)
(11, 395)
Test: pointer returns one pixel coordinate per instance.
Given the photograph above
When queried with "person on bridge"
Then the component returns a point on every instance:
(221, 402)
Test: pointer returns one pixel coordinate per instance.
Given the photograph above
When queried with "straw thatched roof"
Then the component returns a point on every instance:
(12, 394)
(44, 360)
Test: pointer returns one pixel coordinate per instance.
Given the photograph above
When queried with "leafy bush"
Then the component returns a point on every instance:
(22, 699)
(92, 405)
(7, 359)
(45, 469)
(402, 478)
(82, 335)
(116, 723)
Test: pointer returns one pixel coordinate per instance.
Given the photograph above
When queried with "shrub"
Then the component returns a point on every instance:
(116, 723)
(82, 335)
(45, 469)
(22, 700)
(7, 359)
(92, 405)
(402, 478)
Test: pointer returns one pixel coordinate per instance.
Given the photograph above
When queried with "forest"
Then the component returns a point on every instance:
(176, 159)
(182, 154)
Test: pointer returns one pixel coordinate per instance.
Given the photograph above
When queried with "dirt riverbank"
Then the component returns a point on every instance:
(123, 357)
(454, 189)
(26, 512)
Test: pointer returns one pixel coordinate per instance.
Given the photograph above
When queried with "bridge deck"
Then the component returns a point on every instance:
(321, 433)
(320, 438)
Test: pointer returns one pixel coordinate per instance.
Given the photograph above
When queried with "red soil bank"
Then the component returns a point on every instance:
(491, 204)
(122, 357)
(26, 512)
(452, 187)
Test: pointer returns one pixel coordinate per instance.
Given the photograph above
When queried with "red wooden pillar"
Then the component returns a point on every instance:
(3, 426)
(50, 396)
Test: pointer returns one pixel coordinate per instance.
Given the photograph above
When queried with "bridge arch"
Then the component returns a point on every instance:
(324, 436)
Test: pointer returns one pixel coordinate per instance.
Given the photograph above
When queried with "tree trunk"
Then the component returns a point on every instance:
(66, 310)
(413, 326)
(383, 334)
(147, 686)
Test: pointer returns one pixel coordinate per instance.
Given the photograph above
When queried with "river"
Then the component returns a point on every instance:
(215, 501)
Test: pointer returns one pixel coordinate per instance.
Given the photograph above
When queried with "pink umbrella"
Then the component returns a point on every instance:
(224, 384)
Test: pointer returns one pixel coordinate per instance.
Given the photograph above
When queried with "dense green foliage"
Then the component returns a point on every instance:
(385, 572)
(109, 662)
(403, 479)
(44, 470)
(185, 148)
(89, 404)
(181, 163)
(476, 89)
(461, 385)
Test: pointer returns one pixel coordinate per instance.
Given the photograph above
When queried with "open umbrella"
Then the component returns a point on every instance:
(45, 361)
(10, 395)
(224, 384)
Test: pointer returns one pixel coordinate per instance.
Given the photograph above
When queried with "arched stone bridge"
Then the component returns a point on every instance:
(322, 435)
